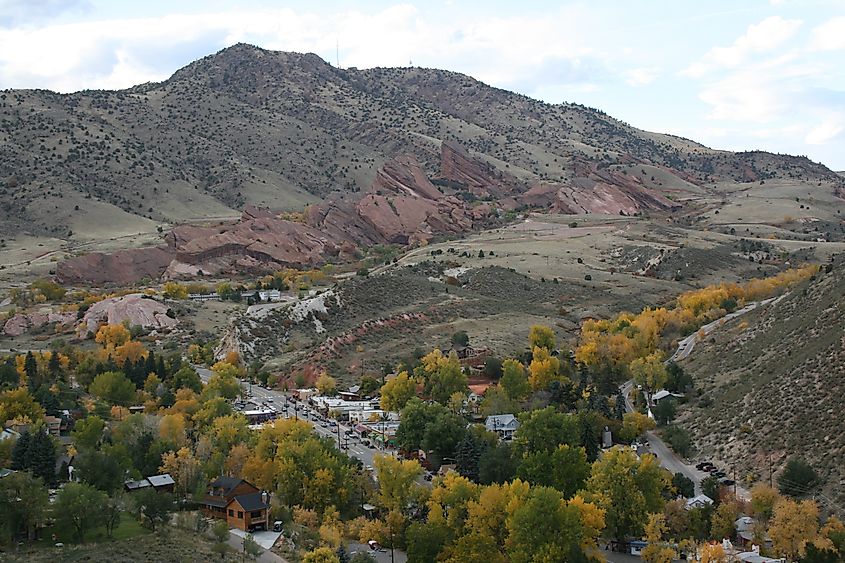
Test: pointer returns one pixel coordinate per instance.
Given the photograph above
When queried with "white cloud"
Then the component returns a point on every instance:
(641, 76)
(829, 36)
(762, 37)
(825, 131)
(115, 53)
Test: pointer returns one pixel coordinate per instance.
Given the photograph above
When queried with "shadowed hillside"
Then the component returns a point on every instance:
(773, 383)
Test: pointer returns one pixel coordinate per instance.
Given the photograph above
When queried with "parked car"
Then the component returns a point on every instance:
(719, 474)
(728, 482)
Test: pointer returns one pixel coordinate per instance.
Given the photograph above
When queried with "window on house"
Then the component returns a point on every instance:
(231, 512)
(240, 514)
(256, 514)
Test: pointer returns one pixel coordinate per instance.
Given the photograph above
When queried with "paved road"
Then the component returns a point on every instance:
(278, 401)
(664, 454)
(686, 345)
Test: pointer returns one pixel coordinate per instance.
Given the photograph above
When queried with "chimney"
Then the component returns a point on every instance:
(264, 497)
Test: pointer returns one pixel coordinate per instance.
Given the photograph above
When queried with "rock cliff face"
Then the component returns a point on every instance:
(134, 309)
(465, 172)
(21, 323)
(595, 190)
(401, 207)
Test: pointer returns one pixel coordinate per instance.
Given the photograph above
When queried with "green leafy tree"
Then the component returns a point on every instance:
(446, 380)
(187, 377)
(154, 507)
(679, 439)
(113, 387)
(497, 401)
(711, 487)
(798, 478)
(87, 432)
(565, 469)
(443, 434)
(497, 464)
(80, 506)
(514, 380)
(460, 338)
(545, 429)
(396, 393)
(414, 419)
(664, 411)
(544, 528)
(649, 371)
(103, 470)
(628, 489)
(397, 482)
(425, 541)
(683, 485)
(493, 368)
(23, 505)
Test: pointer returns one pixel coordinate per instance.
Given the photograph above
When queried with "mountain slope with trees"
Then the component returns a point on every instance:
(771, 386)
(250, 126)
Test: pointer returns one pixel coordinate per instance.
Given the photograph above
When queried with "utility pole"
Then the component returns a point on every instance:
(770, 470)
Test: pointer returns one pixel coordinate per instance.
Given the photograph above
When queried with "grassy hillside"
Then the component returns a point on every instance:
(249, 126)
(773, 385)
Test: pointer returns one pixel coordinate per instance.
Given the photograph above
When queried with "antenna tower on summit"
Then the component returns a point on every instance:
(337, 53)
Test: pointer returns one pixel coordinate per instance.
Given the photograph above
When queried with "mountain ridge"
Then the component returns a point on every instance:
(250, 127)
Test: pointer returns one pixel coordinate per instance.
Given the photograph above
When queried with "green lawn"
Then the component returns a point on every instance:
(128, 527)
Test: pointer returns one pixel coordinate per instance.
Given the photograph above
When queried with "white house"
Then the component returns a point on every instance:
(699, 501)
(663, 394)
(502, 424)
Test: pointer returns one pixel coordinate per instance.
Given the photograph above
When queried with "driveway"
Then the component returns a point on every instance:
(236, 542)
(264, 539)
(380, 556)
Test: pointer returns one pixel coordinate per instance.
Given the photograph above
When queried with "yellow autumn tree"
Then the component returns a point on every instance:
(544, 368)
(794, 524)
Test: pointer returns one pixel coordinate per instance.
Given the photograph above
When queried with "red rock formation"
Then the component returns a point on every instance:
(474, 175)
(122, 266)
(597, 190)
(404, 176)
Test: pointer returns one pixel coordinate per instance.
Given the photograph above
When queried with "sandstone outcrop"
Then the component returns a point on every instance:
(598, 190)
(121, 267)
(465, 172)
(134, 309)
(22, 323)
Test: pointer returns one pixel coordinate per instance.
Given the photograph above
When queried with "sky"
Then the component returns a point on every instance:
(737, 75)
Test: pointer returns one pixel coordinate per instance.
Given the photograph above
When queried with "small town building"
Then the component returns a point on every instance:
(664, 394)
(699, 501)
(237, 501)
(505, 425)
(745, 532)
(161, 483)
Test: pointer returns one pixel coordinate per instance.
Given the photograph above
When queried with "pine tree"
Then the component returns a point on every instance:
(30, 367)
(43, 454)
(160, 368)
(150, 366)
(342, 555)
(620, 406)
(21, 458)
(467, 456)
(54, 365)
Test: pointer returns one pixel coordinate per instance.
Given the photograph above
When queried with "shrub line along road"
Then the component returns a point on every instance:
(664, 454)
